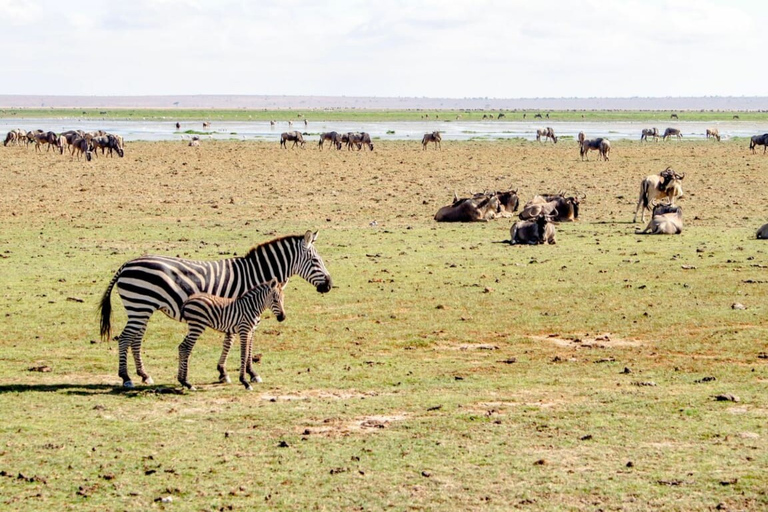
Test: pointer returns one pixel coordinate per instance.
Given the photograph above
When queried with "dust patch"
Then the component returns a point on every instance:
(605, 340)
(343, 427)
(318, 394)
(470, 346)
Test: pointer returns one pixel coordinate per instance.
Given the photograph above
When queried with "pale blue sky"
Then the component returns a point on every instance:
(425, 48)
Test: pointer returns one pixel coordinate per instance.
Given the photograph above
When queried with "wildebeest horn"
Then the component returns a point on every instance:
(455, 196)
(680, 176)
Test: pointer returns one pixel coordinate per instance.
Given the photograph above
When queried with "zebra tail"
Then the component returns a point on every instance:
(105, 309)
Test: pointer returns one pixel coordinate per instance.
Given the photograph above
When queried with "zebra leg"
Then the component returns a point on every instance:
(222, 366)
(185, 349)
(249, 363)
(130, 337)
(136, 350)
(244, 355)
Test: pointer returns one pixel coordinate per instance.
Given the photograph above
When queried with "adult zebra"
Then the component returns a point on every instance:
(152, 283)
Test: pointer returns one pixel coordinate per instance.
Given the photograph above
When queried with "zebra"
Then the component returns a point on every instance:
(230, 316)
(152, 283)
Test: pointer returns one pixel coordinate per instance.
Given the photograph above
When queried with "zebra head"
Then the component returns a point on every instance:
(275, 299)
(310, 266)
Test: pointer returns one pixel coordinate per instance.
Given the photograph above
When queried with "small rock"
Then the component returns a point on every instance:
(738, 305)
(426, 474)
(283, 444)
(727, 397)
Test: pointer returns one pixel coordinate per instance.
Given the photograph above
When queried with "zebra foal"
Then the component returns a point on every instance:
(238, 316)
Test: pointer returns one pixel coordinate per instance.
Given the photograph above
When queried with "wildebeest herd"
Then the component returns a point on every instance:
(77, 142)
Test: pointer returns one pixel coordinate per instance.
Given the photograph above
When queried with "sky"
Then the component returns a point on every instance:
(386, 48)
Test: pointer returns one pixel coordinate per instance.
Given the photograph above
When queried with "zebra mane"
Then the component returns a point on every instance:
(252, 252)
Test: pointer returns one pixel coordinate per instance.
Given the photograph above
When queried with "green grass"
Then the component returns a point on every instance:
(441, 372)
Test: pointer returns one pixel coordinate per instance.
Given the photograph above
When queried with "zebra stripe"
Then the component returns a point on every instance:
(151, 283)
(230, 316)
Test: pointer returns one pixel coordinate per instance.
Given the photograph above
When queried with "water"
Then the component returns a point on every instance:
(151, 130)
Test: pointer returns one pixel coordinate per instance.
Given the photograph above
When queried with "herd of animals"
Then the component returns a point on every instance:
(77, 142)
(230, 295)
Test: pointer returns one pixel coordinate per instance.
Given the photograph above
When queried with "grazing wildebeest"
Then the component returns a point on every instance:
(294, 136)
(762, 233)
(357, 139)
(594, 145)
(537, 116)
(50, 138)
(432, 137)
(736, 117)
(365, 140)
(178, 126)
(649, 132)
(666, 184)
(539, 230)
(667, 219)
(547, 133)
(333, 137)
(558, 207)
(81, 146)
(672, 132)
(714, 133)
(469, 210)
(759, 140)
(206, 124)
(673, 116)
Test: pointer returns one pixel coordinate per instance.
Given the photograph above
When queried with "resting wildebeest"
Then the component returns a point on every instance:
(759, 140)
(593, 145)
(762, 233)
(666, 184)
(714, 133)
(649, 132)
(539, 230)
(296, 137)
(558, 207)
(469, 209)
(672, 132)
(667, 219)
(333, 137)
(432, 137)
(508, 202)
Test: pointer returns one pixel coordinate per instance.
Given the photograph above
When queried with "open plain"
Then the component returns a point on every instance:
(446, 369)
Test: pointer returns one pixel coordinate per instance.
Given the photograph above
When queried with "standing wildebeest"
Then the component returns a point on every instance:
(649, 132)
(178, 126)
(333, 137)
(538, 230)
(581, 138)
(547, 133)
(714, 133)
(598, 145)
(667, 219)
(357, 139)
(762, 233)
(666, 184)
(672, 132)
(294, 136)
(475, 209)
(432, 137)
(759, 140)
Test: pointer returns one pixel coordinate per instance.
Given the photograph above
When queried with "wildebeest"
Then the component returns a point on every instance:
(673, 116)
(472, 209)
(649, 132)
(294, 136)
(666, 184)
(50, 138)
(547, 133)
(539, 230)
(714, 133)
(762, 233)
(178, 126)
(558, 207)
(81, 146)
(667, 219)
(595, 145)
(672, 132)
(352, 139)
(581, 138)
(508, 202)
(432, 137)
(759, 140)
(333, 137)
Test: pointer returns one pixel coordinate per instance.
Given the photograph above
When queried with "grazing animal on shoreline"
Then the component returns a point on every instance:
(160, 283)
(548, 133)
(333, 137)
(594, 145)
(666, 184)
(294, 136)
(713, 133)
(230, 316)
(672, 132)
(432, 137)
(649, 132)
(539, 230)
(759, 140)
(667, 219)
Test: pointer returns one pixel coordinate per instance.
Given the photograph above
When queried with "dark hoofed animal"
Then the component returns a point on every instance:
(539, 230)
(598, 145)
(759, 140)
(649, 132)
(433, 137)
(667, 219)
(556, 206)
(295, 137)
(672, 132)
(475, 209)
(332, 137)
(665, 185)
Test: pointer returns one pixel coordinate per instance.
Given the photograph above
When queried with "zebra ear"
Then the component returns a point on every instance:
(309, 238)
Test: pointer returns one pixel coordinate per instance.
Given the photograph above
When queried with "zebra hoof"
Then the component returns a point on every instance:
(128, 384)
(148, 381)
(255, 378)
(225, 380)
(248, 387)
